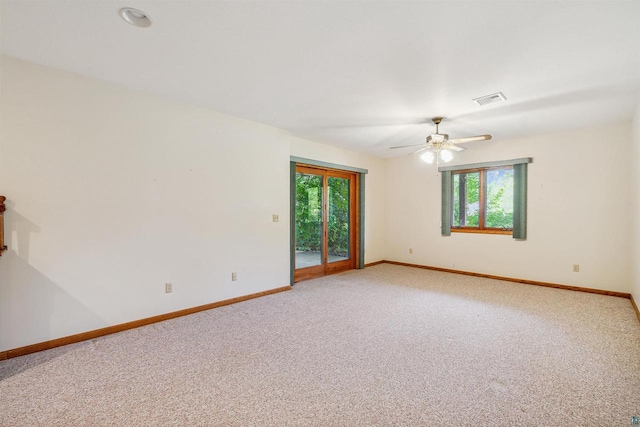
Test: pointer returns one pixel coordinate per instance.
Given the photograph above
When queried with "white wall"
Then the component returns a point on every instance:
(113, 192)
(578, 212)
(635, 211)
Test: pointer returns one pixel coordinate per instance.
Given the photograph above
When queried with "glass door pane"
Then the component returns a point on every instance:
(309, 219)
(338, 219)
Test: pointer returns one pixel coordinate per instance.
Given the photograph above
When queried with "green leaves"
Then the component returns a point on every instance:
(499, 212)
(338, 216)
(496, 188)
(309, 214)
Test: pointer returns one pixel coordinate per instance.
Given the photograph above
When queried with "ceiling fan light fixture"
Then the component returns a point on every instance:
(437, 137)
(439, 147)
(428, 157)
(446, 156)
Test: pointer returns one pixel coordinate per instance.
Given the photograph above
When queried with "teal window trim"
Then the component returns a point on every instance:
(519, 193)
(520, 201)
(523, 160)
(292, 221)
(446, 203)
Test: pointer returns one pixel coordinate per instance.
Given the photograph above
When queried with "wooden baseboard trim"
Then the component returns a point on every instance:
(83, 336)
(511, 279)
(635, 306)
(371, 264)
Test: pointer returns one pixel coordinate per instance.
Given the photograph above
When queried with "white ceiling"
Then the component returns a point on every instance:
(361, 75)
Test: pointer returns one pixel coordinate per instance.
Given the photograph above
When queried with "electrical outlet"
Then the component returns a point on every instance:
(410, 250)
(234, 276)
(276, 218)
(576, 268)
(168, 288)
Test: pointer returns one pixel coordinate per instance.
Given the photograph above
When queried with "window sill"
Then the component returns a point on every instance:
(479, 231)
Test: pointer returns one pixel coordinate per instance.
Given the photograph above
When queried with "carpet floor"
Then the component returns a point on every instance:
(384, 346)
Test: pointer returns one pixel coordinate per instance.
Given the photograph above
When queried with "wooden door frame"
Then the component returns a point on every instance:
(348, 264)
(325, 267)
(356, 212)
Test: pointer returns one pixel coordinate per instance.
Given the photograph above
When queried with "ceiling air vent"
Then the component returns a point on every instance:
(490, 99)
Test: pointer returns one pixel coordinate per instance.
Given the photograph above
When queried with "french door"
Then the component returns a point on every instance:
(325, 221)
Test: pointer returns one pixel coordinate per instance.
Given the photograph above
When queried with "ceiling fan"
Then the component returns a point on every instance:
(439, 146)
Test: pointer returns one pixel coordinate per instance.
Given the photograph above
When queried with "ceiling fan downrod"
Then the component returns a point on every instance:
(437, 121)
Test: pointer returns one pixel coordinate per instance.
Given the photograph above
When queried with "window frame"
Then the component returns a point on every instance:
(482, 202)
(520, 172)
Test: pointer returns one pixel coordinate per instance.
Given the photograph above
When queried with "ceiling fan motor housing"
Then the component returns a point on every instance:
(437, 137)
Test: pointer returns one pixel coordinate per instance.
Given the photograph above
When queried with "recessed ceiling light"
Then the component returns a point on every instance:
(135, 17)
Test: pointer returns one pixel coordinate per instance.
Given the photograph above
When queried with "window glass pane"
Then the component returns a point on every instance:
(472, 203)
(338, 219)
(308, 220)
(499, 213)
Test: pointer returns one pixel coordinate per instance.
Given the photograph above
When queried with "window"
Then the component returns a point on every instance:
(485, 198)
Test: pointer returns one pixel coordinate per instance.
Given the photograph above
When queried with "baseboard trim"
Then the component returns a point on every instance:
(511, 279)
(635, 307)
(371, 264)
(83, 336)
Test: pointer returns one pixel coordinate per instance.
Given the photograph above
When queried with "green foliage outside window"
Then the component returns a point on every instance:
(498, 212)
(308, 212)
(338, 232)
(309, 219)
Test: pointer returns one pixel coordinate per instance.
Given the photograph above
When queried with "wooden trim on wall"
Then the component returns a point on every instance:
(361, 209)
(511, 279)
(83, 336)
(635, 306)
(481, 230)
(355, 229)
(371, 264)
(326, 165)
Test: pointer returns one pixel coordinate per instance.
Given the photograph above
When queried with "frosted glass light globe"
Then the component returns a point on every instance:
(428, 157)
(446, 155)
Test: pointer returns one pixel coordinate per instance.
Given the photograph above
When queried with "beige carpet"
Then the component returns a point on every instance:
(385, 346)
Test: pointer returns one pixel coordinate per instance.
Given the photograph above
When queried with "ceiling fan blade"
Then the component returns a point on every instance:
(455, 147)
(405, 146)
(418, 150)
(470, 139)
